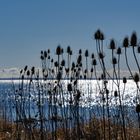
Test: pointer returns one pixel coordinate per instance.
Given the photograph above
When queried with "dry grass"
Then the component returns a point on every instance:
(91, 130)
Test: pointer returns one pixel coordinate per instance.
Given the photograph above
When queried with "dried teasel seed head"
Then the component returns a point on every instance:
(114, 61)
(68, 49)
(119, 51)
(58, 50)
(45, 54)
(126, 42)
(124, 80)
(86, 53)
(138, 108)
(136, 77)
(63, 63)
(92, 55)
(112, 44)
(69, 87)
(25, 68)
(133, 41)
(101, 55)
(28, 72)
(94, 62)
(97, 34)
(80, 51)
(115, 93)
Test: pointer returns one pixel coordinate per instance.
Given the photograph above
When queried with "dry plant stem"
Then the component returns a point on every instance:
(136, 58)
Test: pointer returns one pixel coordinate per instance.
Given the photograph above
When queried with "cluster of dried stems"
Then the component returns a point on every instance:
(46, 104)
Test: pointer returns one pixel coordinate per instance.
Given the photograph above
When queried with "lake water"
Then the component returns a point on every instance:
(26, 96)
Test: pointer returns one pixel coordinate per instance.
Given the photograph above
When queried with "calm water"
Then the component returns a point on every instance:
(12, 92)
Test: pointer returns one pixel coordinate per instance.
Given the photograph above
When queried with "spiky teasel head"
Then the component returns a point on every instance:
(56, 64)
(136, 78)
(112, 45)
(79, 60)
(119, 51)
(80, 51)
(91, 70)
(86, 53)
(45, 54)
(101, 55)
(58, 50)
(69, 87)
(138, 108)
(28, 72)
(68, 49)
(126, 42)
(33, 70)
(94, 62)
(115, 93)
(133, 40)
(92, 55)
(25, 68)
(99, 35)
(124, 80)
(114, 61)
(48, 51)
(63, 63)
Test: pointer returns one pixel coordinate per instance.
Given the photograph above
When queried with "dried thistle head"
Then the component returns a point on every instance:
(45, 54)
(126, 42)
(119, 51)
(115, 93)
(80, 51)
(124, 80)
(136, 77)
(112, 45)
(133, 41)
(97, 34)
(68, 49)
(94, 62)
(58, 50)
(86, 53)
(114, 61)
(138, 108)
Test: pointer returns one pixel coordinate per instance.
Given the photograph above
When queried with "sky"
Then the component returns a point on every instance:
(29, 26)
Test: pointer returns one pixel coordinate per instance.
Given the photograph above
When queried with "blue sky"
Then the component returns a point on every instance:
(29, 26)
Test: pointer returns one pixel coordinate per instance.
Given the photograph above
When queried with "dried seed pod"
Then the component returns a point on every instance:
(69, 87)
(136, 77)
(58, 50)
(101, 56)
(133, 39)
(138, 108)
(124, 80)
(68, 49)
(86, 53)
(28, 73)
(119, 51)
(97, 34)
(80, 51)
(126, 42)
(45, 54)
(112, 45)
(114, 61)
(115, 93)
(63, 63)
(94, 62)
